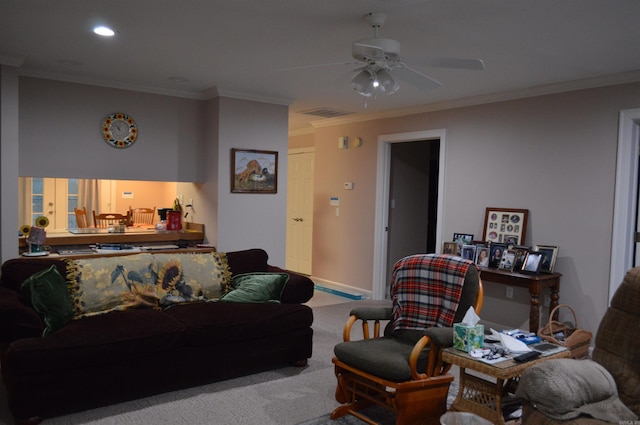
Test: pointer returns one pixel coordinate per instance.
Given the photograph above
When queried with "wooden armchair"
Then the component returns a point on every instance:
(82, 219)
(109, 219)
(402, 370)
(142, 215)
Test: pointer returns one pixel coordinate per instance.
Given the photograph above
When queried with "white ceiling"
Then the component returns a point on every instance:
(238, 47)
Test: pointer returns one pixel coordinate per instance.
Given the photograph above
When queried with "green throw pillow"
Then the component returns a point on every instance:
(256, 288)
(47, 291)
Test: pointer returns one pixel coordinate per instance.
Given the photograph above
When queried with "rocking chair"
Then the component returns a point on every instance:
(403, 370)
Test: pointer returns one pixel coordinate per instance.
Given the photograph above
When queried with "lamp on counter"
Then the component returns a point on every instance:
(36, 236)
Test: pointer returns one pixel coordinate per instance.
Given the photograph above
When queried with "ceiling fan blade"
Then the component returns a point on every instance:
(318, 65)
(456, 63)
(415, 78)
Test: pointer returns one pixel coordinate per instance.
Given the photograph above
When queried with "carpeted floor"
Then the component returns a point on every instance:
(286, 396)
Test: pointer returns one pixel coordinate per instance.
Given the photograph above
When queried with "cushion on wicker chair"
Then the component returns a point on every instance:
(387, 358)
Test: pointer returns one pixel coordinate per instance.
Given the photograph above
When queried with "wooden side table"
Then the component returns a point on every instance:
(534, 282)
(481, 396)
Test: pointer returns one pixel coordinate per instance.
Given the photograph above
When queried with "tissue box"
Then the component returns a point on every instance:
(467, 338)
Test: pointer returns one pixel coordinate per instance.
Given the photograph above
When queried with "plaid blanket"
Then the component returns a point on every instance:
(426, 290)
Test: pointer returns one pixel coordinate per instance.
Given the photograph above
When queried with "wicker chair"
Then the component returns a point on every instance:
(617, 350)
(402, 370)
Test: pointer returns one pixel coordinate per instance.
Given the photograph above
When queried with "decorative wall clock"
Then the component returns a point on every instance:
(119, 130)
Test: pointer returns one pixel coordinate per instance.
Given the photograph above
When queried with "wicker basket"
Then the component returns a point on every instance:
(575, 339)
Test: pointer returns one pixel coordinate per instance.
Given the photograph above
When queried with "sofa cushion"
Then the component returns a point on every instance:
(47, 292)
(100, 285)
(214, 323)
(191, 276)
(97, 340)
(259, 287)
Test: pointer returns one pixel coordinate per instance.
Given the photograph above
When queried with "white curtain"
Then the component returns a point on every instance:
(89, 196)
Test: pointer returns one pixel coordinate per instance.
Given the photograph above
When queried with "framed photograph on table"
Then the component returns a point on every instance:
(469, 252)
(450, 248)
(254, 171)
(532, 262)
(550, 254)
(482, 255)
(505, 225)
(463, 238)
(495, 254)
(508, 260)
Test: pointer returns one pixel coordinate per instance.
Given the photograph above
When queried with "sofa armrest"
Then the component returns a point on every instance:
(299, 288)
(17, 320)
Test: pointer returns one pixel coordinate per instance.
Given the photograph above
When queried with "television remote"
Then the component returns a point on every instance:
(526, 356)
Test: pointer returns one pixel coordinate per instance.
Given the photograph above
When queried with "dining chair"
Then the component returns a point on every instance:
(109, 219)
(142, 215)
(82, 219)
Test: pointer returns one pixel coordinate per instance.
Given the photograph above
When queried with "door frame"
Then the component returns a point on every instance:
(383, 174)
(626, 198)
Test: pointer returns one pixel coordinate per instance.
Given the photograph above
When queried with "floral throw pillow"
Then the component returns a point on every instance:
(191, 277)
(103, 284)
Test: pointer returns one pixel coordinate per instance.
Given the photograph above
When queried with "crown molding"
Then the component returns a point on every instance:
(301, 131)
(112, 84)
(254, 97)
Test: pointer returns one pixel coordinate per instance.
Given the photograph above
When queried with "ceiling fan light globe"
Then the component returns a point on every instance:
(386, 83)
(363, 83)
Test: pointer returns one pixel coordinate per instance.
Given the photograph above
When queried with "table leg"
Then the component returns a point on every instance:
(554, 296)
(534, 310)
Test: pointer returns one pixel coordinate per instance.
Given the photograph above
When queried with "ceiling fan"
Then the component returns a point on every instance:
(380, 60)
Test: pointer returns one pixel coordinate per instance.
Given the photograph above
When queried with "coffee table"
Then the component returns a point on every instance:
(481, 396)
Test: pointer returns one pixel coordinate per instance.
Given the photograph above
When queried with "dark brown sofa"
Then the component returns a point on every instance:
(122, 355)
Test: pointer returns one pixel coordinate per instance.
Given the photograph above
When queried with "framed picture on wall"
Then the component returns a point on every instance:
(254, 171)
(505, 225)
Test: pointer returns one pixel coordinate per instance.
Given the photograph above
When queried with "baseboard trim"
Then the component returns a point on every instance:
(340, 289)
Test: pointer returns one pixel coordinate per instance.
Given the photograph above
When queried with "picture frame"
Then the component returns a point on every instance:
(521, 254)
(550, 255)
(450, 248)
(532, 262)
(482, 255)
(505, 225)
(495, 254)
(254, 171)
(469, 252)
(463, 238)
(508, 260)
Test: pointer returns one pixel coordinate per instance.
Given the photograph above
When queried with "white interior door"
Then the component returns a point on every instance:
(300, 210)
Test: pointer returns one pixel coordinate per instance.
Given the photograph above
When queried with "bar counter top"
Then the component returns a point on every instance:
(191, 235)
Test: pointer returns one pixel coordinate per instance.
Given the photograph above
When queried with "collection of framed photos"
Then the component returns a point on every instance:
(503, 245)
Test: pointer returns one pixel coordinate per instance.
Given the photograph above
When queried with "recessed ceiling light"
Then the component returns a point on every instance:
(104, 31)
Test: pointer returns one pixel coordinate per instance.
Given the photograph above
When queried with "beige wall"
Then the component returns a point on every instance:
(146, 194)
(554, 155)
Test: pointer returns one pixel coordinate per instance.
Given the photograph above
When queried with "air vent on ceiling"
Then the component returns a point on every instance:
(326, 113)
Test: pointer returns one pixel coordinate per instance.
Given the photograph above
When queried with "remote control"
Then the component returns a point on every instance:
(526, 356)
